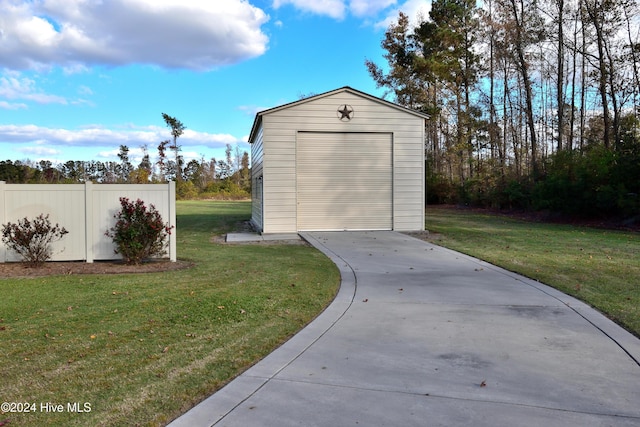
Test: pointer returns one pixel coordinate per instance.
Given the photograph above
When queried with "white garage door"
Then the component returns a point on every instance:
(344, 181)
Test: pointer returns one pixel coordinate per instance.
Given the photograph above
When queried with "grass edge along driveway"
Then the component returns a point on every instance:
(600, 267)
(141, 349)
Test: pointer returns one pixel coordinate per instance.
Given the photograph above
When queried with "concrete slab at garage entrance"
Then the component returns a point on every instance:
(421, 335)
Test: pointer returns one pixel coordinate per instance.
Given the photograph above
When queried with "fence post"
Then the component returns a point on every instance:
(3, 204)
(88, 221)
(173, 256)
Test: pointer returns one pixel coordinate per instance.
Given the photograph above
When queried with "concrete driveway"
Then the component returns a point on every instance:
(424, 336)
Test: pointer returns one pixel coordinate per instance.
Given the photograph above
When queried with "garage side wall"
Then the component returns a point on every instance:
(257, 180)
(280, 129)
(408, 177)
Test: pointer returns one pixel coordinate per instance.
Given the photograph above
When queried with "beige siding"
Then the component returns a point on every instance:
(409, 179)
(257, 184)
(319, 114)
(279, 178)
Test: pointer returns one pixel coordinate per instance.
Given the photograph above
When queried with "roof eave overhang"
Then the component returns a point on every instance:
(258, 119)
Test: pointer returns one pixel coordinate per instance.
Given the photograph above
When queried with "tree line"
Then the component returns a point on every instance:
(201, 178)
(533, 103)
(228, 178)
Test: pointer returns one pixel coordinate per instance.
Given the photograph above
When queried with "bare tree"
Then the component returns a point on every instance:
(162, 160)
(177, 129)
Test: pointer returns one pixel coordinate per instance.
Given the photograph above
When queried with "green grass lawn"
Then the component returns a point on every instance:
(600, 267)
(142, 349)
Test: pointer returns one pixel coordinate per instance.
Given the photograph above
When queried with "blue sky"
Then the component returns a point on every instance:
(79, 78)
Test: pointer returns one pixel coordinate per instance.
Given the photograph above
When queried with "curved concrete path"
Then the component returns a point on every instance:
(423, 336)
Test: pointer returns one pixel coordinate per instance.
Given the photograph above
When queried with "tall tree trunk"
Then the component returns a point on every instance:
(523, 68)
(492, 105)
(560, 72)
(583, 85)
(633, 46)
(614, 98)
(574, 67)
(594, 10)
(506, 117)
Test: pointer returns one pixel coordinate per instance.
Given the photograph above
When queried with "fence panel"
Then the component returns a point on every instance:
(106, 203)
(86, 211)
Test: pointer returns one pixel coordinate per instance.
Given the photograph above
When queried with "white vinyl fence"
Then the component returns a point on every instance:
(86, 211)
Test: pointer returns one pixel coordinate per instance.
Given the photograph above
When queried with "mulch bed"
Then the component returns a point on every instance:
(18, 269)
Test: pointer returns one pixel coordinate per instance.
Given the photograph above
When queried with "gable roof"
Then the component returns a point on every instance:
(258, 118)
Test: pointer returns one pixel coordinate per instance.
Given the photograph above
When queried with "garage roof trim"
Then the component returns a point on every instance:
(258, 117)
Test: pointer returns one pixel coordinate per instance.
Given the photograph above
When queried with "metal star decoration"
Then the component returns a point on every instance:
(345, 112)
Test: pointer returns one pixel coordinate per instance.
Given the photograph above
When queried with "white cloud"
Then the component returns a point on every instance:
(135, 154)
(12, 106)
(14, 86)
(109, 154)
(416, 10)
(333, 8)
(372, 10)
(39, 151)
(363, 8)
(207, 139)
(75, 68)
(169, 33)
(252, 110)
(85, 90)
(92, 136)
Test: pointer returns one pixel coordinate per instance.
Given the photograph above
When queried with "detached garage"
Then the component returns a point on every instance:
(341, 160)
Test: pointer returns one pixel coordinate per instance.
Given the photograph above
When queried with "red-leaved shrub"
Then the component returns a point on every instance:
(139, 232)
(32, 239)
